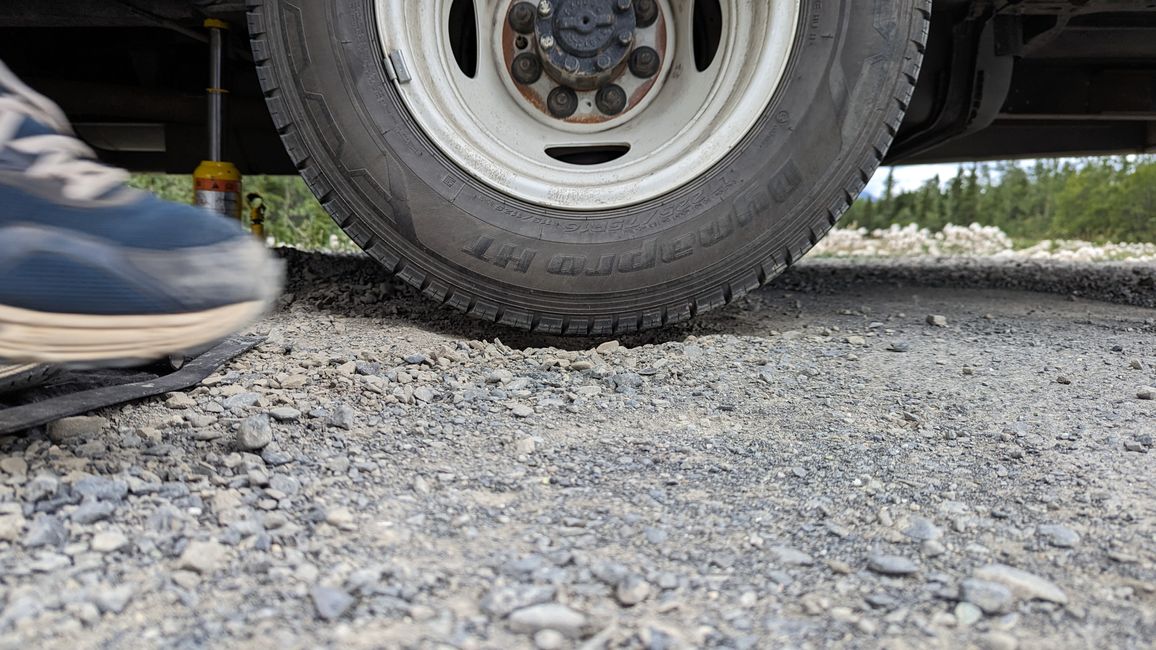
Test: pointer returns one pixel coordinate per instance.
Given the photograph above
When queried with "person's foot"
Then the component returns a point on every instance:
(92, 270)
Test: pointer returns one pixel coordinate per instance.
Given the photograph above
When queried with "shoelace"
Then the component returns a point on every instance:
(56, 156)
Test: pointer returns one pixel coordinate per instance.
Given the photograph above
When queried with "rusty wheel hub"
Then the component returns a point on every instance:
(585, 50)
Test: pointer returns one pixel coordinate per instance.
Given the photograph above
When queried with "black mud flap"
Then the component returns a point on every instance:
(77, 392)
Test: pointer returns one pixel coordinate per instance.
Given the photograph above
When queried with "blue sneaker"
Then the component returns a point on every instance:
(92, 270)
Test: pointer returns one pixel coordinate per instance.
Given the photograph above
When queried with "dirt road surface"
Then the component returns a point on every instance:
(911, 454)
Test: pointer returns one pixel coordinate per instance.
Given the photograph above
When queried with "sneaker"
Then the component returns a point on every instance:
(92, 270)
(24, 376)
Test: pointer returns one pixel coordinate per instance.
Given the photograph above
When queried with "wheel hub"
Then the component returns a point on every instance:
(633, 139)
(588, 40)
(574, 59)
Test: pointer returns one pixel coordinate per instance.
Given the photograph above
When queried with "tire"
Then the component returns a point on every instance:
(852, 69)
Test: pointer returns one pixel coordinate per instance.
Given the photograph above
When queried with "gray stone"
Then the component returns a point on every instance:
(180, 401)
(997, 641)
(549, 640)
(41, 487)
(109, 541)
(500, 377)
(274, 457)
(241, 401)
(550, 616)
(791, 556)
(891, 565)
(936, 320)
(626, 381)
(610, 573)
(1146, 393)
(633, 589)
(14, 466)
(114, 600)
(343, 417)
(502, 600)
(75, 427)
(200, 420)
(933, 548)
(46, 530)
(331, 604)
(656, 535)
(991, 597)
(101, 488)
(967, 614)
(203, 556)
(608, 347)
(922, 530)
(899, 346)
(91, 512)
(285, 483)
(1059, 536)
(20, 609)
(285, 414)
(522, 411)
(423, 394)
(255, 433)
(1023, 584)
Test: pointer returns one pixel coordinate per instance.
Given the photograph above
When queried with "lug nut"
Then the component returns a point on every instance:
(646, 12)
(546, 42)
(545, 8)
(562, 102)
(526, 69)
(572, 64)
(611, 100)
(522, 18)
(623, 6)
(603, 62)
(644, 62)
(625, 37)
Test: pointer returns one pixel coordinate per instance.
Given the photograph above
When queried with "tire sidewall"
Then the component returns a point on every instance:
(750, 215)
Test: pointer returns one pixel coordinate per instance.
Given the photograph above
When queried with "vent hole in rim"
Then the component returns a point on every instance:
(708, 24)
(463, 33)
(589, 155)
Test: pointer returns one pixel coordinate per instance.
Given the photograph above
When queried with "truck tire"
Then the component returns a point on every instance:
(736, 144)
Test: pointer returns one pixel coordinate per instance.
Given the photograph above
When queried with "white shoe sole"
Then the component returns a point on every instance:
(20, 377)
(39, 337)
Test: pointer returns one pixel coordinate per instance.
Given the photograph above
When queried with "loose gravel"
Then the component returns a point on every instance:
(848, 458)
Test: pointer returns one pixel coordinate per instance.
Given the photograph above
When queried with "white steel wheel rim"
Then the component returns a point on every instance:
(692, 122)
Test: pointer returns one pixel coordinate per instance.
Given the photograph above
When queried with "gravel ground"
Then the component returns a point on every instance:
(861, 455)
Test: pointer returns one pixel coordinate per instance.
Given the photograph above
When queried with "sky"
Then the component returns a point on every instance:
(909, 177)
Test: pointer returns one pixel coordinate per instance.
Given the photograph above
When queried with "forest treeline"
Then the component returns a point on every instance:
(1096, 199)
(1099, 200)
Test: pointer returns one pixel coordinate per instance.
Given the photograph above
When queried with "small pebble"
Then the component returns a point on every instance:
(892, 565)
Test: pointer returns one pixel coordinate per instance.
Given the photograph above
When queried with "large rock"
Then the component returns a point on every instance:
(77, 427)
(255, 433)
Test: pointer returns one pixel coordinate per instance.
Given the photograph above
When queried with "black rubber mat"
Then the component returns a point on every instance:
(74, 392)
